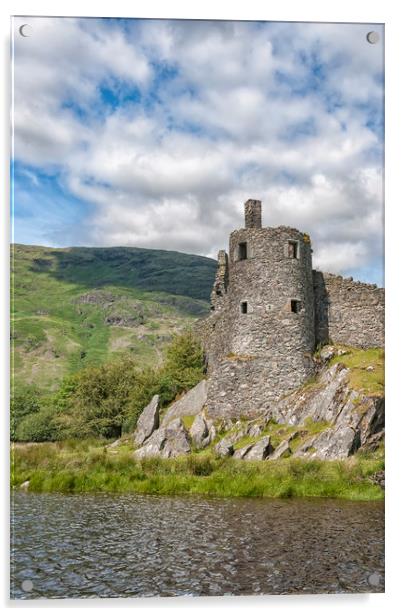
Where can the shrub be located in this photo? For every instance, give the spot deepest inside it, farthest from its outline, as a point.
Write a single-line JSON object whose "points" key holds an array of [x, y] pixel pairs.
{"points": [[38, 427], [24, 402]]}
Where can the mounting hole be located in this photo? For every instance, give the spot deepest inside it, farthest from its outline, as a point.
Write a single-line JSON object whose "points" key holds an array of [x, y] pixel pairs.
{"points": [[25, 30], [372, 37], [27, 585]]}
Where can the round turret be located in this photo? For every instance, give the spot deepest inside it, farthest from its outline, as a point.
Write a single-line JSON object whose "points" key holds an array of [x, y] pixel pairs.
{"points": [[266, 318]]}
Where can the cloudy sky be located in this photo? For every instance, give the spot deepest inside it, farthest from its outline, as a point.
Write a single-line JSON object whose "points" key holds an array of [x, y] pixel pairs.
{"points": [[153, 133]]}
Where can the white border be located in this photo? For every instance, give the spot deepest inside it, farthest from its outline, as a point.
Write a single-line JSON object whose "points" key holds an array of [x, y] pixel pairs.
{"points": [[368, 11]]}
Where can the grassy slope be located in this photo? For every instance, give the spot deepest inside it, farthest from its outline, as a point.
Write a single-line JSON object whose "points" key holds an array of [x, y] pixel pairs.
{"points": [[366, 369], [81, 306]]}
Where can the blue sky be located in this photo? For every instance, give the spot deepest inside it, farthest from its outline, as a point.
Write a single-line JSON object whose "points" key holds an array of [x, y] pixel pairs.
{"points": [[153, 133]]}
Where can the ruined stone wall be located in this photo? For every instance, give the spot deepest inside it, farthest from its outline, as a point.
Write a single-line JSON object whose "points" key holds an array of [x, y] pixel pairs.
{"points": [[347, 311], [256, 356], [221, 281]]}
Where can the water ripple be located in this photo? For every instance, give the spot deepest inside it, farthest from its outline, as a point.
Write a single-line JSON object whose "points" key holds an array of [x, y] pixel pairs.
{"points": [[134, 545]]}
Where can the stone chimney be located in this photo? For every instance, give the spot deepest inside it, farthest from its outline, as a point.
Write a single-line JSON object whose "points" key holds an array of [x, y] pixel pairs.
{"points": [[253, 214]]}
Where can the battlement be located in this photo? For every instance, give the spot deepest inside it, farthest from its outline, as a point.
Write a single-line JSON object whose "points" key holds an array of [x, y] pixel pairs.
{"points": [[253, 214]]}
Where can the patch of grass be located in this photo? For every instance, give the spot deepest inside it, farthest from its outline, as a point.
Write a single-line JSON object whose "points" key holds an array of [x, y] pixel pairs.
{"points": [[90, 467], [279, 432], [188, 420], [370, 381], [315, 427]]}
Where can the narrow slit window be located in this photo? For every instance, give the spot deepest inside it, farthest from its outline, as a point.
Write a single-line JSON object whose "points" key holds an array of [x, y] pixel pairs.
{"points": [[244, 307], [242, 251], [295, 306], [293, 250]]}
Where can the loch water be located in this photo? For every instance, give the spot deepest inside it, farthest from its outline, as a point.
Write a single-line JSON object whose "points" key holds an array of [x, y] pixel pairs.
{"points": [[78, 546]]}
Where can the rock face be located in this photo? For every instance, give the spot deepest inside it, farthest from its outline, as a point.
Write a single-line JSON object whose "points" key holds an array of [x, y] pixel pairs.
{"points": [[224, 448], [191, 403], [260, 450], [177, 440], [282, 451], [167, 442], [202, 432], [148, 421], [332, 444], [352, 419]]}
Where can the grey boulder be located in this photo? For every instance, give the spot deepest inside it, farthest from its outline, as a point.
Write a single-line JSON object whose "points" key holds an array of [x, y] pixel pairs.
{"points": [[191, 403], [148, 422], [177, 440], [282, 451], [202, 432], [224, 448], [242, 453], [199, 431], [259, 450]]}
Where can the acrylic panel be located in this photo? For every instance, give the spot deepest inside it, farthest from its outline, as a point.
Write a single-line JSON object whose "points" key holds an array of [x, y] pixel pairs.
{"points": [[197, 399]]}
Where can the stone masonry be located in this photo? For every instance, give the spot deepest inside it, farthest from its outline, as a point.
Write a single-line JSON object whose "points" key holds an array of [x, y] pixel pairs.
{"points": [[269, 310]]}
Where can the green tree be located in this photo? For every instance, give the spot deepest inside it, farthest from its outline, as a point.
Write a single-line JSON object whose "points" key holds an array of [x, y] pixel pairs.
{"points": [[97, 401], [183, 368]]}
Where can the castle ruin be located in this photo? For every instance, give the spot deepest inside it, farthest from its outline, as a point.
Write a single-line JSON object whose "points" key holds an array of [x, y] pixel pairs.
{"points": [[270, 310]]}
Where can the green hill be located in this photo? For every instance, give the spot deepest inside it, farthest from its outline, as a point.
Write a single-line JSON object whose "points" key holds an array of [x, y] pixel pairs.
{"points": [[76, 307]]}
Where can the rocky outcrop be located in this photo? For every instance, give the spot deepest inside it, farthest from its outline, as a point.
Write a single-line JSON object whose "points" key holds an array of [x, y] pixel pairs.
{"points": [[148, 421], [177, 440], [351, 417], [242, 452], [199, 431], [191, 403], [282, 451], [167, 442], [259, 450], [332, 444], [374, 441], [202, 432], [335, 420], [224, 448]]}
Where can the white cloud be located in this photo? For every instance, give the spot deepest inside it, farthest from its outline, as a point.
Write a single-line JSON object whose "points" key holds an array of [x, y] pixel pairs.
{"points": [[173, 171]]}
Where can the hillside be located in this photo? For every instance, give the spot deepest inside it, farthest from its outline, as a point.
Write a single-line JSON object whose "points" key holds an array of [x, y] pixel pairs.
{"points": [[76, 307]]}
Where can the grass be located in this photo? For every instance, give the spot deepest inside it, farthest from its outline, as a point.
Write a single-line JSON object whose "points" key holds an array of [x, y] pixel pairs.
{"points": [[88, 466], [367, 382], [188, 420]]}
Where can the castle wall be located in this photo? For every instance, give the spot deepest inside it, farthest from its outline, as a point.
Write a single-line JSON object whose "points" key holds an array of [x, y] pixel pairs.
{"points": [[348, 312], [269, 310]]}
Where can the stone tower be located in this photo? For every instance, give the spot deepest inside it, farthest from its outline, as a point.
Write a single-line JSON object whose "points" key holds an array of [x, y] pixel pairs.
{"points": [[261, 331]]}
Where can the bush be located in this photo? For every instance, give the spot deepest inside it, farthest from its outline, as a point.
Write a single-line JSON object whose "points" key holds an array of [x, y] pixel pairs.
{"points": [[24, 402], [38, 427]]}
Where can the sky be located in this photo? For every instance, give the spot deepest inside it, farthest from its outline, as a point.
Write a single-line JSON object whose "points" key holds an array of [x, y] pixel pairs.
{"points": [[153, 133]]}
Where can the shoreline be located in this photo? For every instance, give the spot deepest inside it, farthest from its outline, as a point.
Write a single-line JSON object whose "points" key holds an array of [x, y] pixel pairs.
{"points": [[79, 467]]}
